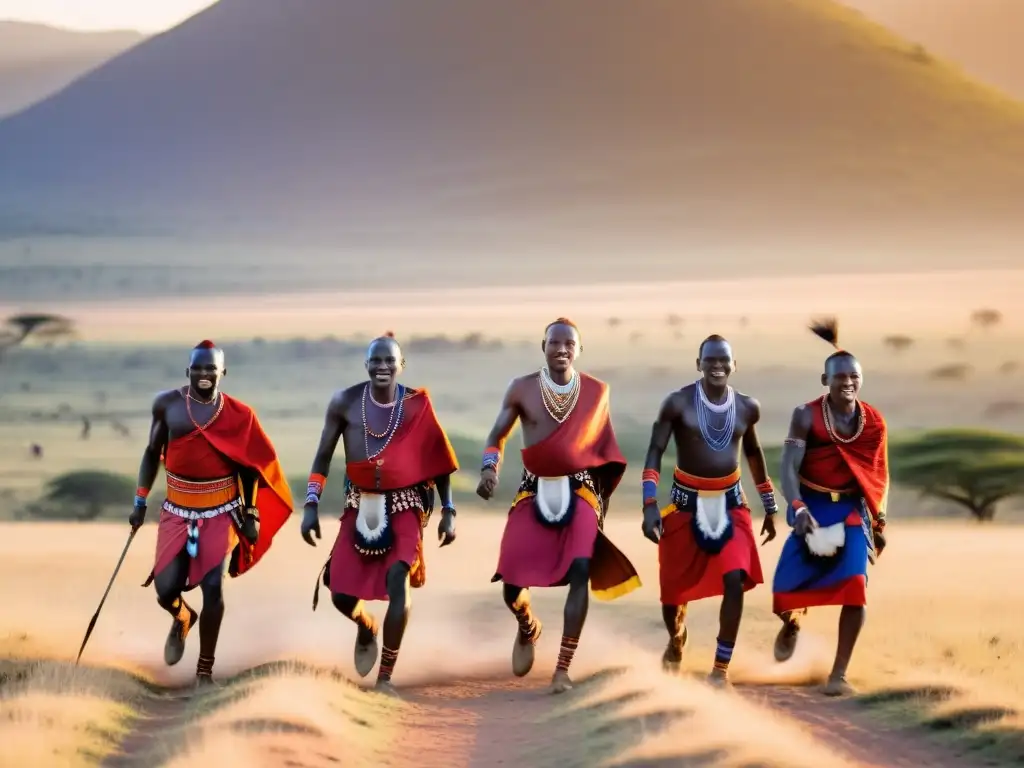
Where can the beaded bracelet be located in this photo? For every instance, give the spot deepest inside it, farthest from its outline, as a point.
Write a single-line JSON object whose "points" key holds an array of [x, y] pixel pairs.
{"points": [[650, 478], [767, 491], [315, 488], [491, 459], [140, 496]]}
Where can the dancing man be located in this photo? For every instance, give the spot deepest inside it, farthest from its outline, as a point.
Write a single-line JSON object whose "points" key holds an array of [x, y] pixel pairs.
{"points": [[706, 543], [226, 499], [397, 456], [835, 476], [572, 464]]}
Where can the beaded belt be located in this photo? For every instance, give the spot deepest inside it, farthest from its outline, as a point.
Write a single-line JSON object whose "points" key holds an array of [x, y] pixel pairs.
{"points": [[201, 514], [201, 494], [581, 483], [414, 497]]}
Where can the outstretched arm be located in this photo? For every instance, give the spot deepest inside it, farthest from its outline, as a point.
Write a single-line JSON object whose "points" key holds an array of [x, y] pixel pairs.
{"points": [[793, 456], [755, 460], [661, 433], [155, 446], [506, 421], [503, 426], [150, 464], [334, 425]]}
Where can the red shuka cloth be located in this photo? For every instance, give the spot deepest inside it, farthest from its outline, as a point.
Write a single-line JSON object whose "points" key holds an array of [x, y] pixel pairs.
{"points": [[533, 552], [192, 457], [233, 439], [418, 453], [837, 466]]}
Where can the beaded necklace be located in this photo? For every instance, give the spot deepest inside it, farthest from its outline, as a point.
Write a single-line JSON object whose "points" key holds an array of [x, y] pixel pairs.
{"points": [[393, 425], [559, 399], [186, 393], [826, 412], [716, 437]]}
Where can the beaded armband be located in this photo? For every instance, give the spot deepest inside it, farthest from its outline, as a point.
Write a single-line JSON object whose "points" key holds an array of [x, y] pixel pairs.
{"points": [[491, 459], [797, 505], [315, 488], [767, 491], [650, 486], [140, 496]]}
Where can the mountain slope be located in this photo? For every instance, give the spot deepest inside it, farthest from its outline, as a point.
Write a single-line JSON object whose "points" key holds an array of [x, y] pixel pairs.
{"points": [[479, 126], [37, 60], [982, 36]]}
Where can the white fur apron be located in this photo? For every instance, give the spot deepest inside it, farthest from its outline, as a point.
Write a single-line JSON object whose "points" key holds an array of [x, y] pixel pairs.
{"points": [[825, 541], [712, 515], [372, 518], [554, 496]]}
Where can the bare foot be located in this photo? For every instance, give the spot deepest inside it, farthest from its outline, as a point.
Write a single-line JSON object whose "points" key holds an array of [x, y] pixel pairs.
{"points": [[785, 641], [672, 658], [366, 651], [719, 678], [561, 683], [524, 651], [174, 648], [387, 688], [837, 686]]}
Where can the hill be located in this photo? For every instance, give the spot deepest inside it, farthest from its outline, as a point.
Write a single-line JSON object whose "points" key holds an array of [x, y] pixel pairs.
{"points": [[763, 133], [980, 36], [37, 60]]}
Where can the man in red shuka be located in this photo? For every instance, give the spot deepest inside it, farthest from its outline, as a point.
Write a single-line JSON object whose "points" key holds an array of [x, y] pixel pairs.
{"points": [[571, 466], [835, 476], [226, 499], [397, 456]]}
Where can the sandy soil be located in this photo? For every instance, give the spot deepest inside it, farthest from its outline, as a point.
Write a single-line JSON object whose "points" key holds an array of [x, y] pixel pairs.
{"points": [[459, 704]]}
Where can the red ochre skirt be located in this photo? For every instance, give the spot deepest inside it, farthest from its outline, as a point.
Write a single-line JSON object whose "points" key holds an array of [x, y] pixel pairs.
{"points": [[365, 577]]}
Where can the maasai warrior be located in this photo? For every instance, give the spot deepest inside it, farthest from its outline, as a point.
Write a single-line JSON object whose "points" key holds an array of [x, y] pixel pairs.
{"points": [[226, 499], [835, 476], [705, 538], [397, 456], [572, 465]]}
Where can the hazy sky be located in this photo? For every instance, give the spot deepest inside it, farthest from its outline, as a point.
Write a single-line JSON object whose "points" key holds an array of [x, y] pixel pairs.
{"points": [[144, 15]]}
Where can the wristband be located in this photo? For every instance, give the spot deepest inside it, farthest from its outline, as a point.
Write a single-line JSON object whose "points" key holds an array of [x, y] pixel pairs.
{"points": [[315, 488], [491, 459], [140, 501], [141, 492], [767, 492], [449, 508], [650, 486], [797, 505], [879, 524]]}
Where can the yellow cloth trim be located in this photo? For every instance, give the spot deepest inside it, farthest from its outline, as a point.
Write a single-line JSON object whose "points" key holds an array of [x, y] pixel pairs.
{"points": [[583, 493], [668, 509], [613, 593]]}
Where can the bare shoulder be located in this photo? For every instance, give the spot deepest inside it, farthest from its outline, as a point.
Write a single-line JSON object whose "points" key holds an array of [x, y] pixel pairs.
{"points": [[519, 383], [343, 398], [802, 416], [165, 399], [750, 405]]}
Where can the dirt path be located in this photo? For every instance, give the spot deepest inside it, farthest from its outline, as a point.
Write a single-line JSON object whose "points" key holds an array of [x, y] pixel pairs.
{"points": [[844, 724], [514, 722]]}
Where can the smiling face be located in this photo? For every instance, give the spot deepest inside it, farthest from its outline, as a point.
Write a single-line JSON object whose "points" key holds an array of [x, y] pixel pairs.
{"points": [[843, 376], [715, 362], [205, 370], [384, 362], [561, 346]]}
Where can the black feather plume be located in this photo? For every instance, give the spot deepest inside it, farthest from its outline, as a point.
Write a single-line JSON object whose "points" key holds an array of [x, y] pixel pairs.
{"points": [[827, 329]]}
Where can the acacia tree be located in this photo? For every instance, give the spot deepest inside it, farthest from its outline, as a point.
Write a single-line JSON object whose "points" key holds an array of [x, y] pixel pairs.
{"points": [[973, 468], [19, 328]]}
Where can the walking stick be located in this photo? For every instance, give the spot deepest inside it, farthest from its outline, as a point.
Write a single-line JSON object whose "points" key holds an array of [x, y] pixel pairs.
{"points": [[95, 616]]}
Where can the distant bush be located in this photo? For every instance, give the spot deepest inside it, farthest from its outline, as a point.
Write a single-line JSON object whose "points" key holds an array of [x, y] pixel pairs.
{"points": [[84, 495]]}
